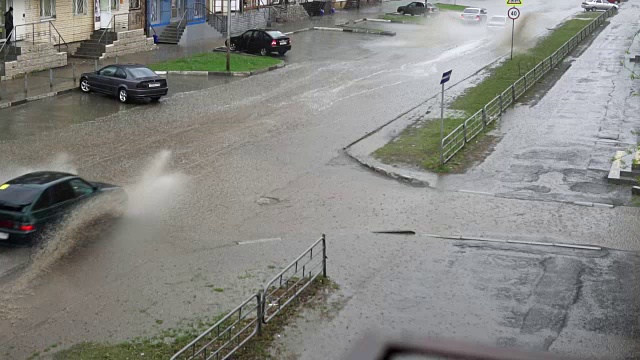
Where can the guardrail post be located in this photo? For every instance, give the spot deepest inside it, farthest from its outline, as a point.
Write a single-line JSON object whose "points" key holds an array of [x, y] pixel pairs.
{"points": [[484, 117], [464, 131], [525, 82], [324, 255], [500, 99], [260, 313], [513, 93]]}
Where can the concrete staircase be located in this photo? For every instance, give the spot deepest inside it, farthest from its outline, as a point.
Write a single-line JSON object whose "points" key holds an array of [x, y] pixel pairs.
{"points": [[313, 7], [172, 33], [352, 4], [94, 47]]}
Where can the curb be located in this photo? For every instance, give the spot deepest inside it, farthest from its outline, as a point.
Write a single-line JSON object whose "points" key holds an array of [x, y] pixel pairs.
{"points": [[339, 28], [356, 30], [36, 97], [391, 174], [223, 73]]}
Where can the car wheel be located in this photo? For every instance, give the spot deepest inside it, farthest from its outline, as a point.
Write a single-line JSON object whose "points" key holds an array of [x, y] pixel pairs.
{"points": [[401, 12], [232, 47], [122, 95], [155, 99], [263, 51], [84, 85], [282, 52]]}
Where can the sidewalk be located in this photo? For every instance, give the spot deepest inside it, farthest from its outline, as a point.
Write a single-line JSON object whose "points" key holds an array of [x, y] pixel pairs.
{"points": [[38, 83]]}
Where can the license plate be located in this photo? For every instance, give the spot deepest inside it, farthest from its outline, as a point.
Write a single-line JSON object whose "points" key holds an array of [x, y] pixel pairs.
{"points": [[283, 42], [4, 236], [154, 85]]}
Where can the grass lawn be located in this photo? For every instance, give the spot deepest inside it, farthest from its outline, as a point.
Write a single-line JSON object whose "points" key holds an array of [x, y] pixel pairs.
{"points": [[414, 19], [419, 144], [216, 61], [450, 7]]}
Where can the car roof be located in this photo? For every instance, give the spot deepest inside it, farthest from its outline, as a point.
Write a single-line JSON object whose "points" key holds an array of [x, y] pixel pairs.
{"points": [[40, 178], [474, 8], [130, 65]]}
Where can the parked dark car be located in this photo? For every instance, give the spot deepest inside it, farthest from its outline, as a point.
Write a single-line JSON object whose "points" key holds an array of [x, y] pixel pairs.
{"points": [[474, 15], [261, 41], [414, 8], [31, 204], [126, 82]]}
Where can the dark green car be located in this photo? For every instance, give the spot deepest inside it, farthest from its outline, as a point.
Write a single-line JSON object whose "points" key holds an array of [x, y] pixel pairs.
{"points": [[31, 204]]}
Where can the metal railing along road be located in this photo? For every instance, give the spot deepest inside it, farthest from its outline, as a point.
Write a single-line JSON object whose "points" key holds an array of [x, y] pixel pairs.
{"points": [[460, 136], [41, 31], [229, 334]]}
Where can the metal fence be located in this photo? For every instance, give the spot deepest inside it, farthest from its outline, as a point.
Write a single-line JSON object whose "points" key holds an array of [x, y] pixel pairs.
{"points": [[460, 136], [229, 334]]}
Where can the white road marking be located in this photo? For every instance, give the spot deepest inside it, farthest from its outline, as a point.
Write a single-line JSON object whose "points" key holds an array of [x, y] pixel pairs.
{"points": [[257, 241]]}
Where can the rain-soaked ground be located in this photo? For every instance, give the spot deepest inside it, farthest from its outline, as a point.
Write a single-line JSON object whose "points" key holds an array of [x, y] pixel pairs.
{"points": [[199, 165]]}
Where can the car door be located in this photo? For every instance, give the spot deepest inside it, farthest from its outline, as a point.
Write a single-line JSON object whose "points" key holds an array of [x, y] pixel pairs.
{"points": [[118, 79], [256, 41], [419, 8], [54, 203], [246, 40], [101, 82]]}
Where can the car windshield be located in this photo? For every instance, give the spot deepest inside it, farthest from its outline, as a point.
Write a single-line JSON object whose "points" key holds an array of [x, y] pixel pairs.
{"points": [[17, 195], [471, 11], [141, 72], [275, 34]]}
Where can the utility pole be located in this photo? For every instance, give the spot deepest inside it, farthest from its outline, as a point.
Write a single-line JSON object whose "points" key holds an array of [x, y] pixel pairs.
{"points": [[229, 36]]}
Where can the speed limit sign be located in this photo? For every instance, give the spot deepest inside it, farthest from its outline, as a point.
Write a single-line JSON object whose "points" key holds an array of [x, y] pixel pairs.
{"points": [[513, 13]]}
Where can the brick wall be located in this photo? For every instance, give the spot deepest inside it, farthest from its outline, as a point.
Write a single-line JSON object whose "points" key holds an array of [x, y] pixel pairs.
{"points": [[248, 20], [293, 12], [71, 27], [35, 58]]}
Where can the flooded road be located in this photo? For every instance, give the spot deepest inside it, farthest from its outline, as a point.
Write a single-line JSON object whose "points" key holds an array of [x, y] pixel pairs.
{"points": [[197, 165]]}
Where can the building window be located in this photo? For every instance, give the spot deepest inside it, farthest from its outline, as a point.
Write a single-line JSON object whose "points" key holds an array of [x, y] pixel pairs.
{"points": [[80, 7], [134, 4], [115, 4], [47, 8]]}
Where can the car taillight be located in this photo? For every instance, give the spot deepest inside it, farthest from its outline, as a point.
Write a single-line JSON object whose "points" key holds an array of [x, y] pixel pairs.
{"points": [[273, 43], [27, 227], [6, 224], [461, 16], [142, 85], [477, 17]]}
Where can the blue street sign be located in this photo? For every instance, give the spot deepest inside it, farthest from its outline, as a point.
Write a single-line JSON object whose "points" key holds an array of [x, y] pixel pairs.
{"points": [[445, 77]]}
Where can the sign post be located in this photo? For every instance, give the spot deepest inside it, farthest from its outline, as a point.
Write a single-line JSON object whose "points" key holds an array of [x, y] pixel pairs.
{"points": [[229, 36], [445, 78], [513, 14]]}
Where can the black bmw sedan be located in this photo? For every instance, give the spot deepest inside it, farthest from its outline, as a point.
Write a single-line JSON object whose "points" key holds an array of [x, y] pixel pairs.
{"points": [[261, 41], [126, 82]]}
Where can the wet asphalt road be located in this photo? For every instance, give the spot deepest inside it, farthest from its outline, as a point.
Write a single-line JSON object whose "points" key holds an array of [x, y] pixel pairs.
{"points": [[279, 135]]}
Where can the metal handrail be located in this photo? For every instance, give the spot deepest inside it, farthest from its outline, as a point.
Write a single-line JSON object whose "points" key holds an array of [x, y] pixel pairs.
{"points": [[59, 36], [186, 18], [113, 21]]}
